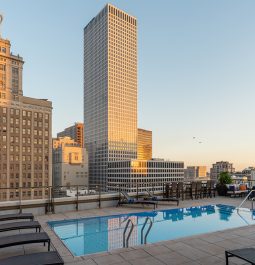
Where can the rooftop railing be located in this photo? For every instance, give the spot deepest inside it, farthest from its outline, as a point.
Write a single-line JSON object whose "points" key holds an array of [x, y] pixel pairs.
{"points": [[49, 196]]}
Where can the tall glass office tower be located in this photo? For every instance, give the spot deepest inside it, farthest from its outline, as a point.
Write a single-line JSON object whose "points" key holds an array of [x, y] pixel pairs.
{"points": [[110, 90]]}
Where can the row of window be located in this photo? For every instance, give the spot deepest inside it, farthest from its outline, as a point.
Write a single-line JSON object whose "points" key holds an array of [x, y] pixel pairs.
{"points": [[25, 113], [122, 15], [24, 122], [16, 140]]}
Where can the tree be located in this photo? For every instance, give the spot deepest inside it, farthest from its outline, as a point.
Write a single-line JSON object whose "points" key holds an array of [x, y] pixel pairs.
{"points": [[224, 178]]}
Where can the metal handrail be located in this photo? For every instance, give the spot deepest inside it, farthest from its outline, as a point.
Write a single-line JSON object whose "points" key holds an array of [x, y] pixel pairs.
{"points": [[125, 241], [252, 204], [245, 199], [144, 239]]}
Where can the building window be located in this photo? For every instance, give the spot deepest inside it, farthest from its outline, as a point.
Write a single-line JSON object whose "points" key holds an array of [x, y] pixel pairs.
{"points": [[3, 95], [2, 67]]}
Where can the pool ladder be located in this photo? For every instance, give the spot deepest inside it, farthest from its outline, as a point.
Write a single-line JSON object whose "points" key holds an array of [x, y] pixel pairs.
{"points": [[125, 240], [245, 199], [143, 237]]}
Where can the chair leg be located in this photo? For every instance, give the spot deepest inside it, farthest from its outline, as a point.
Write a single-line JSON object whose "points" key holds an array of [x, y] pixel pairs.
{"points": [[226, 255]]}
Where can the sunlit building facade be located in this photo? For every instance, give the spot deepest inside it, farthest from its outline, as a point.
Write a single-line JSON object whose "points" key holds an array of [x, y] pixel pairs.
{"points": [[110, 90], [143, 174], [76, 132], [25, 134], [144, 144], [195, 173]]}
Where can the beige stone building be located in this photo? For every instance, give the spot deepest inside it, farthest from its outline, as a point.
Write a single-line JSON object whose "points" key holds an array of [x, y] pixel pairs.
{"points": [[25, 134], [76, 132], [144, 144], [70, 163], [195, 173]]}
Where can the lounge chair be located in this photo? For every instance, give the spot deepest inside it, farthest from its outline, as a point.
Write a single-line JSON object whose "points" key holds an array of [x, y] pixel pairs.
{"points": [[247, 254], [193, 188], [21, 239], [233, 191], [156, 198], [198, 190], [41, 258], [20, 225], [180, 190], [130, 200], [7, 217]]}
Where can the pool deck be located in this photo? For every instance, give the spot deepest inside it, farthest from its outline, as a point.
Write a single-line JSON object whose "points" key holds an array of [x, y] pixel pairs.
{"points": [[201, 249]]}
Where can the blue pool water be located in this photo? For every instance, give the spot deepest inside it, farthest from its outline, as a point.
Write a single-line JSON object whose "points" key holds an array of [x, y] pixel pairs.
{"points": [[97, 234]]}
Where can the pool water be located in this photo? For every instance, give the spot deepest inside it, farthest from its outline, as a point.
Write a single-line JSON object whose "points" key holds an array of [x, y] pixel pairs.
{"points": [[97, 234]]}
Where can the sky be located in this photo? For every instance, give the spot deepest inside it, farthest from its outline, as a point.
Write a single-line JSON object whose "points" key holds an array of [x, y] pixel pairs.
{"points": [[196, 63]]}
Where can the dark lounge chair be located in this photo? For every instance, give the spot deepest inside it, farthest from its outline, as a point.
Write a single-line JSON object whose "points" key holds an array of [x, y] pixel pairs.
{"points": [[7, 217], [156, 198], [198, 190], [41, 258], [193, 188], [247, 254], [21, 239], [130, 200], [20, 225], [180, 190]]}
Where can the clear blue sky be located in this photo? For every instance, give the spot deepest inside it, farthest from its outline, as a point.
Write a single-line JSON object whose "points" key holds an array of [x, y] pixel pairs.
{"points": [[196, 70]]}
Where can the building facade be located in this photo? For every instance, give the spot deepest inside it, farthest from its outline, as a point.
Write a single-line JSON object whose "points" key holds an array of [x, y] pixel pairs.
{"points": [[110, 90], [144, 144], [75, 132], [222, 166], [143, 174], [70, 163], [25, 134], [195, 173]]}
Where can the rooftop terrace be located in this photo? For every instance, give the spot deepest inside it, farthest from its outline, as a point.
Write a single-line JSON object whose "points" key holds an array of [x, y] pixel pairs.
{"points": [[200, 249]]}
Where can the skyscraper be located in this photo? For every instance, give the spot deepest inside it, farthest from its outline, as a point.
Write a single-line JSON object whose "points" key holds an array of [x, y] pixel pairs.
{"points": [[110, 90]]}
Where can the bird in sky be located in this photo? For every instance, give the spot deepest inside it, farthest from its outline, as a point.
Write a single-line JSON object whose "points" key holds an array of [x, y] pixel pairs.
{"points": [[198, 141]]}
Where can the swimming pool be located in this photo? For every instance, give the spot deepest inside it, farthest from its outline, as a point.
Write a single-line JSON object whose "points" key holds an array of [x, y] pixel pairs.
{"points": [[97, 234]]}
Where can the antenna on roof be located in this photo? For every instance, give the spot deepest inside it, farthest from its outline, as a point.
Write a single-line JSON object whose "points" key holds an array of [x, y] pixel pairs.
{"points": [[1, 20]]}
